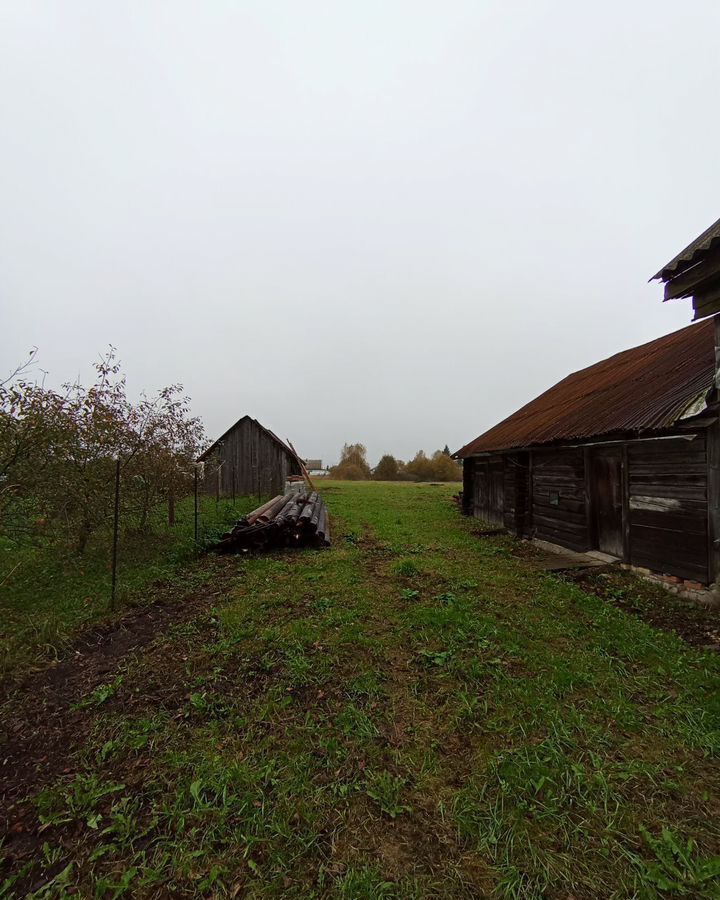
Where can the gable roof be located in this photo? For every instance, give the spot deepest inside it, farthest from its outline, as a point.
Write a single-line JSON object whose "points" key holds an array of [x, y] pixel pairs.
{"points": [[283, 446], [647, 388], [691, 254]]}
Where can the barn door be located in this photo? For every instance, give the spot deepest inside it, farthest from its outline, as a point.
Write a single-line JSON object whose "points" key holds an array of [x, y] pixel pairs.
{"points": [[481, 489], [496, 493], [607, 500]]}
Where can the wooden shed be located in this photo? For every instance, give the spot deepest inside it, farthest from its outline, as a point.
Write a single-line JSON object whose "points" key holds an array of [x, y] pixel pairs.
{"points": [[622, 457], [248, 459], [695, 273]]}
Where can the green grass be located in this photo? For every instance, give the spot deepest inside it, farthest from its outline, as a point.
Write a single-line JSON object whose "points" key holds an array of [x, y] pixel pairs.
{"points": [[47, 593], [344, 724]]}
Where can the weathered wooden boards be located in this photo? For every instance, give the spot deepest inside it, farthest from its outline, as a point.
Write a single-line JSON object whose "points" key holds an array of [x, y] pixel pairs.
{"points": [[645, 501], [293, 520]]}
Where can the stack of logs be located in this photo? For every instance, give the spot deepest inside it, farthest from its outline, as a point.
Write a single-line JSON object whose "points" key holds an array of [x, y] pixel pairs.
{"points": [[292, 520]]}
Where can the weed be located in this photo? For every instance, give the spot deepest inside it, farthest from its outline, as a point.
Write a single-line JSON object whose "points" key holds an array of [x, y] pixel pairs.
{"points": [[353, 721], [365, 884], [386, 790], [100, 695], [77, 801], [435, 657], [677, 867], [323, 604], [406, 568], [365, 686]]}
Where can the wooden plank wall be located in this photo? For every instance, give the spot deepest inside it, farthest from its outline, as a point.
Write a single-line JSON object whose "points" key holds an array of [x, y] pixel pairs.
{"points": [[249, 463], [666, 512], [510, 497], [668, 506], [559, 512], [468, 497]]}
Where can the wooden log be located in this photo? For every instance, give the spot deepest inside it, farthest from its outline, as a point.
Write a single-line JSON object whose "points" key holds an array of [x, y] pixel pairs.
{"points": [[274, 509], [310, 515], [298, 520], [319, 506], [292, 511], [309, 506], [256, 513], [322, 523]]}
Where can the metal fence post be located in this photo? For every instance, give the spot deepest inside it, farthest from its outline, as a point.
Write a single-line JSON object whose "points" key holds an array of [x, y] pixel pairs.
{"points": [[116, 526], [196, 504]]}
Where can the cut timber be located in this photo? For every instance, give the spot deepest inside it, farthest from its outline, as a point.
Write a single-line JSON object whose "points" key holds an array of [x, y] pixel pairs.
{"points": [[296, 520], [256, 513]]}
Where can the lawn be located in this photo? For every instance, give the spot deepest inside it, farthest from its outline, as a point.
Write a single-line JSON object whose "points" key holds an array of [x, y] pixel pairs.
{"points": [[47, 594], [415, 712]]}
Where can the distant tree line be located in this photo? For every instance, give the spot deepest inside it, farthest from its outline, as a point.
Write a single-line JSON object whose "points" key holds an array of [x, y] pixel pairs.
{"points": [[58, 452], [353, 466]]}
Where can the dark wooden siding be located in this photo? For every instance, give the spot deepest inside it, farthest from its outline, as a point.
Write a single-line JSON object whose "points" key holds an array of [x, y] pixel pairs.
{"points": [[550, 494], [668, 506], [516, 511], [468, 498], [559, 512], [248, 462], [509, 493]]}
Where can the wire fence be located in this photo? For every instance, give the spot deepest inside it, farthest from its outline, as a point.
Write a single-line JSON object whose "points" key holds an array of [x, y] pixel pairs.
{"points": [[192, 522]]}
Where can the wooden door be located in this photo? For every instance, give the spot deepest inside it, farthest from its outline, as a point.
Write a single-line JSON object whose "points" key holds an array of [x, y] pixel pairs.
{"points": [[481, 489], [496, 493], [607, 500]]}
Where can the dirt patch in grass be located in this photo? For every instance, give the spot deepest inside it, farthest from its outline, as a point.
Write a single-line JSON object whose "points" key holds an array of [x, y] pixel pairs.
{"points": [[40, 721], [698, 626]]}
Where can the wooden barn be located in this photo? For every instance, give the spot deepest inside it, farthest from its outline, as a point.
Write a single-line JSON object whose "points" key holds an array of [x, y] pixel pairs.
{"points": [[695, 273], [248, 459], [622, 457]]}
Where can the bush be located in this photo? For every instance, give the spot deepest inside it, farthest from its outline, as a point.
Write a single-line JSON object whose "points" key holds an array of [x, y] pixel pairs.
{"points": [[58, 452]]}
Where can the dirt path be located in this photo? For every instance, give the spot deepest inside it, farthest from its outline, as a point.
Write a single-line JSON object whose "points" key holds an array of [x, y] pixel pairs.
{"points": [[40, 723]]}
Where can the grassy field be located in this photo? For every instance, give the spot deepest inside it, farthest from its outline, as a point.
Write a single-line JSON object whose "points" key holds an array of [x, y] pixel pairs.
{"points": [[46, 595], [413, 713]]}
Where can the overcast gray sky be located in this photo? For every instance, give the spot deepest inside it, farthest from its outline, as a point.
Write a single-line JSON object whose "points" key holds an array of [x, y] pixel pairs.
{"points": [[391, 222]]}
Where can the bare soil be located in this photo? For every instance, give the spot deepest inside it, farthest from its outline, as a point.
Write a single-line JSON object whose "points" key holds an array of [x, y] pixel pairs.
{"points": [[698, 626], [40, 725]]}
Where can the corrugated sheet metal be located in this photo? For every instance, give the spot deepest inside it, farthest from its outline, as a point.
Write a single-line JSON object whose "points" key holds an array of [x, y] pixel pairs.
{"points": [[647, 388], [691, 253]]}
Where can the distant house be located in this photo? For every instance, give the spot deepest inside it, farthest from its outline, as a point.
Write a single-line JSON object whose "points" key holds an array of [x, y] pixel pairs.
{"points": [[248, 459], [622, 457]]}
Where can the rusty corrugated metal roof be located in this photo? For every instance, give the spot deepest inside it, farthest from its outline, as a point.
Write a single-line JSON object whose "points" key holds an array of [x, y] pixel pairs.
{"points": [[691, 254], [644, 389]]}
